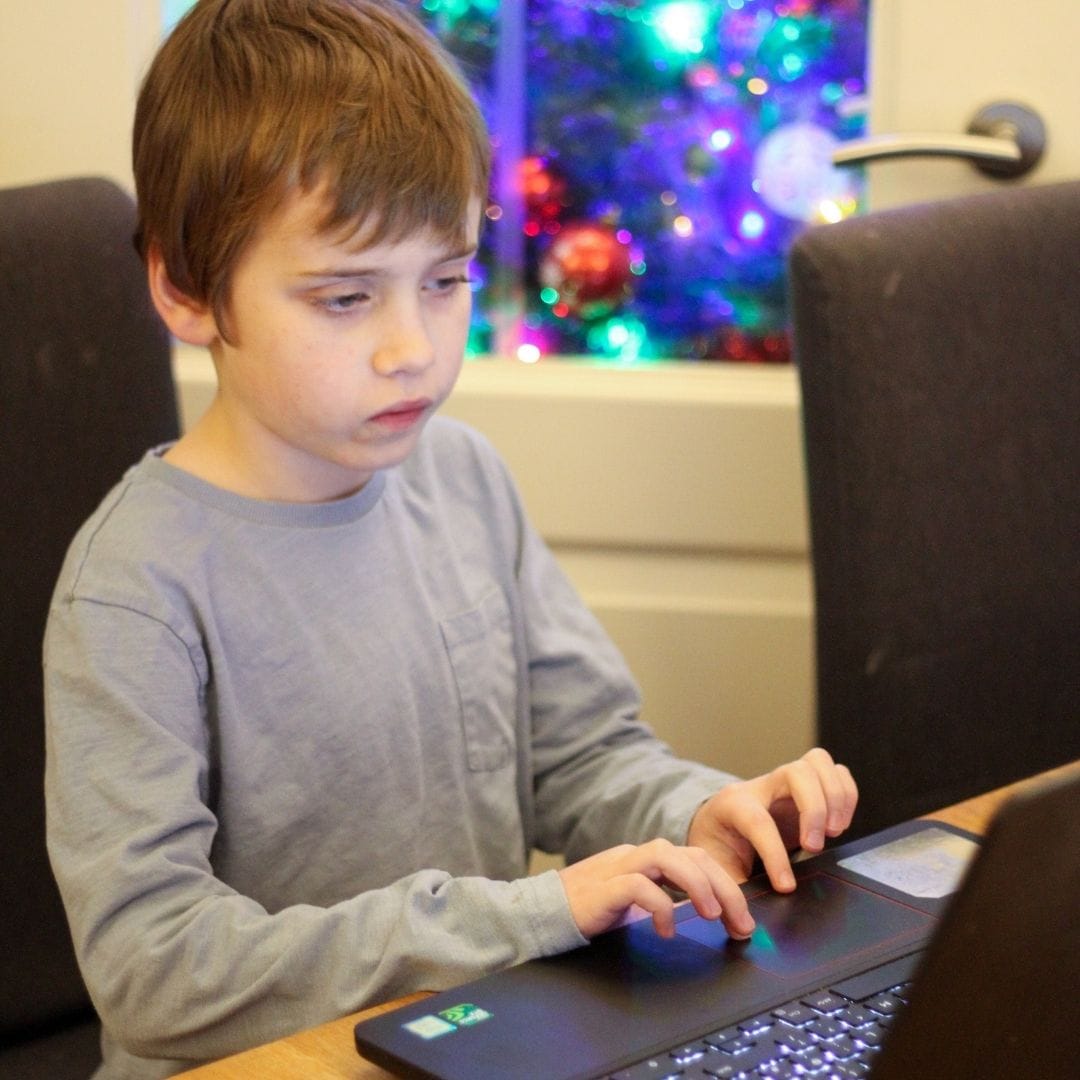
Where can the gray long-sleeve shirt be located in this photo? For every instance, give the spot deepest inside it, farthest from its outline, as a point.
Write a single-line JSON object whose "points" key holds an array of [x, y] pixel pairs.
{"points": [[298, 754]]}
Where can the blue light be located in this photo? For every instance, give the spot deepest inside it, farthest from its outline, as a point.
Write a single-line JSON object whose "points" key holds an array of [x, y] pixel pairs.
{"points": [[752, 225]]}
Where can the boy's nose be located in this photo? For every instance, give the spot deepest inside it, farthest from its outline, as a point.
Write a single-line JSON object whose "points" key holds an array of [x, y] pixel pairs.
{"points": [[405, 346]]}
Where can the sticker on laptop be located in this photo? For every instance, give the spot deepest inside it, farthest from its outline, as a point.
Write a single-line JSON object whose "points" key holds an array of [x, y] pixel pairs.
{"points": [[929, 863], [433, 1025]]}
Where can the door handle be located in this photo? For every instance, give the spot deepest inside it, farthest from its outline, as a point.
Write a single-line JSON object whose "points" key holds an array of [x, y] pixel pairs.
{"points": [[1004, 140]]}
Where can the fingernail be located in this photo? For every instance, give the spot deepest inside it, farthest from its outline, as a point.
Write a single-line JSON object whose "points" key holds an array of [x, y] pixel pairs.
{"points": [[787, 881], [815, 839]]}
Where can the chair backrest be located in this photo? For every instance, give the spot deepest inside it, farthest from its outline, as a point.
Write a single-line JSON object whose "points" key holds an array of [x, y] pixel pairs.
{"points": [[938, 349], [85, 388]]}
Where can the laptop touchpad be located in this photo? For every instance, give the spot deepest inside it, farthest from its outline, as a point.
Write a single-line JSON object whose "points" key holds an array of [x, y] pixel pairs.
{"points": [[823, 921]]}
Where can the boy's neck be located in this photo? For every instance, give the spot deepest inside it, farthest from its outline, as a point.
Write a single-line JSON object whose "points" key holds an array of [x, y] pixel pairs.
{"points": [[213, 451]]}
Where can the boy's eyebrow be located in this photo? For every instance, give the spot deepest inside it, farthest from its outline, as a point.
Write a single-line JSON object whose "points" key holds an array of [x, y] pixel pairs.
{"points": [[378, 271]]}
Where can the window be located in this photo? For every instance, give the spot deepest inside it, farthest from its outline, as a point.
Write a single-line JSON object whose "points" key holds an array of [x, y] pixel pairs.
{"points": [[654, 161]]}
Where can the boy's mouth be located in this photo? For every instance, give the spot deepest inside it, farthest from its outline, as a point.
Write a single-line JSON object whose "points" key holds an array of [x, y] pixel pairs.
{"points": [[403, 415]]}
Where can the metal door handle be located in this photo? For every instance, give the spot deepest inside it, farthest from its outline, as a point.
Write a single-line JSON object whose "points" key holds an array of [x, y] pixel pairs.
{"points": [[1004, 139]]}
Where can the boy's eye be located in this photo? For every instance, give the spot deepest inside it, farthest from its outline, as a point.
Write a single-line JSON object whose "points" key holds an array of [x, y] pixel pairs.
{"points": [[449, 283], [342, 303]]}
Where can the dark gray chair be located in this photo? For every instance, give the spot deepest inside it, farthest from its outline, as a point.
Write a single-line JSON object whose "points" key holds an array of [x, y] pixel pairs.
{"points": [[938, 350], [85, 388]]}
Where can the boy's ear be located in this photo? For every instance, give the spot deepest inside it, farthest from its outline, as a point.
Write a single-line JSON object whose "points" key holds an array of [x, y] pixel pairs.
{"points": [[192, 321]]}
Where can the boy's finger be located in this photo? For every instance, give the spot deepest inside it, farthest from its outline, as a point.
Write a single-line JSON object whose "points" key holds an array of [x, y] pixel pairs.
{"points": [[683, 869], [638, 889], [693, 871], [734, 910], [805, 789], [753, 821], [851, 797], [838, 787]]}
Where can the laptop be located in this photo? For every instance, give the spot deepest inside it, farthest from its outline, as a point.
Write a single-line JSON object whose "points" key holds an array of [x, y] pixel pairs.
{"points": [[900, 954]]}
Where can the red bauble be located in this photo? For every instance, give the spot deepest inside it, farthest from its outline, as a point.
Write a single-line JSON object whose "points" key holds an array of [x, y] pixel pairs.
{"points": [[738, 346], [588, 267], [543, 188]]}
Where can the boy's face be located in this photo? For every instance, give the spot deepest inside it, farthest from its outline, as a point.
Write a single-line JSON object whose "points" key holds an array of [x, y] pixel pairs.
{"points": [[339, 355]]}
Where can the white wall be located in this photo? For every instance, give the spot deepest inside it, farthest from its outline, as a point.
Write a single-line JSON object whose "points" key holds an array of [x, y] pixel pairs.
{"points": [[69, 71]]}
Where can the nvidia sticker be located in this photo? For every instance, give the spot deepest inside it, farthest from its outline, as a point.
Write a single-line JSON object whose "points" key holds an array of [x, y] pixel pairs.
{"points": [[432, 1026]]}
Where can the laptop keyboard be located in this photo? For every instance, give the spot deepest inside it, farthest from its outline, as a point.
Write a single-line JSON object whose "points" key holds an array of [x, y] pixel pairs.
{"points": [[833, 1033]]}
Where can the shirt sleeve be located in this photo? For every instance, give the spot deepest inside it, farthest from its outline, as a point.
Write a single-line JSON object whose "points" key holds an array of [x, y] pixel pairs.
{"points": [[179, 965]]}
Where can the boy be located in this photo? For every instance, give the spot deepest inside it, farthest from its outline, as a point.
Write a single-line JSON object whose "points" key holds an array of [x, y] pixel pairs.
{"points": [[314, 686]]}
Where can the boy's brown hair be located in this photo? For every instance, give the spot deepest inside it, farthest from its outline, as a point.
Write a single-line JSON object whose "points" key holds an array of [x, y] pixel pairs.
{"points": [[250, 100]]}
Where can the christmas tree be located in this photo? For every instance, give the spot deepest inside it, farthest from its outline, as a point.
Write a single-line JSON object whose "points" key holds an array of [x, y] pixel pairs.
{"points": [[654, 161]]}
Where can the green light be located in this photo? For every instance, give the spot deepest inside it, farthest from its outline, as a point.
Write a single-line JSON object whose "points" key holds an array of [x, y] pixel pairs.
{"points": [[681, 26], [451, 11], [762, 939], [623, 338], [748, 313], [549, 295], [831, 93], [477, 344], [792, 66]]}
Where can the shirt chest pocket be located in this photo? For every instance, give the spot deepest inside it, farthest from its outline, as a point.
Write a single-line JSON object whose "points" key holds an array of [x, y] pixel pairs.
{"points": [[480, 646]]}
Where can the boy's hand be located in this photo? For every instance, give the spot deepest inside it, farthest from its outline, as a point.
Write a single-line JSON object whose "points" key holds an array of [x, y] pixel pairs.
{"points": [[604, 888], [795, 805]]}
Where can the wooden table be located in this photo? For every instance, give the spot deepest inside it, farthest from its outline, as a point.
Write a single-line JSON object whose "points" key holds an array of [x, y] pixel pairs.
{"points": [[328, 1053]]}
